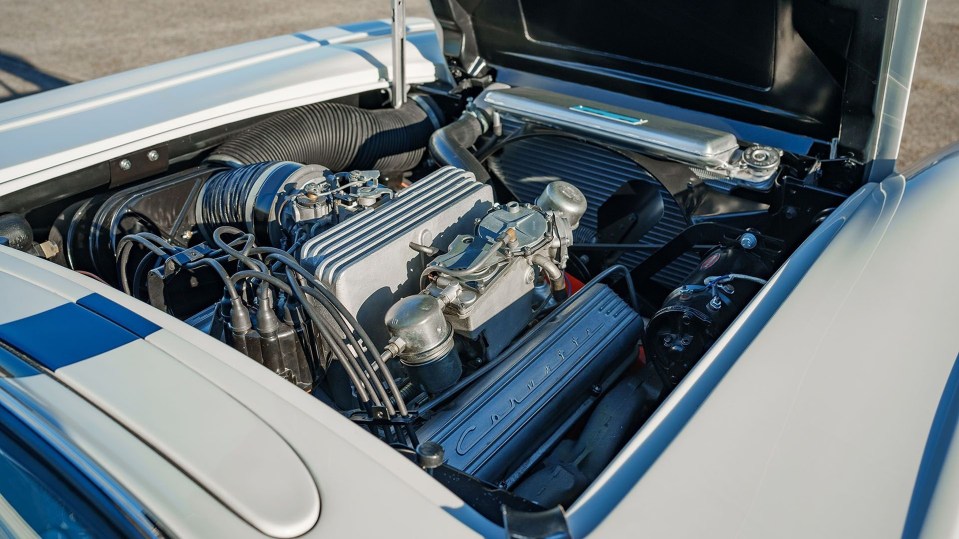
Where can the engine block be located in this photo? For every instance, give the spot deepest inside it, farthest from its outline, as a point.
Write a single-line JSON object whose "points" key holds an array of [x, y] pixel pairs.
{"points": [[367, 261]]}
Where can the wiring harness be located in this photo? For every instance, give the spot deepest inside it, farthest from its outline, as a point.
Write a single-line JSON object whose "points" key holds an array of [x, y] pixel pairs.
{"points": [[266, 289]]}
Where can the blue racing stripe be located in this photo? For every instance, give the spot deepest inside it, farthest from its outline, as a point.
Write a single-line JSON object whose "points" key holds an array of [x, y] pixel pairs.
{"points": [[64, 335], [118, 314], [309, 39]]}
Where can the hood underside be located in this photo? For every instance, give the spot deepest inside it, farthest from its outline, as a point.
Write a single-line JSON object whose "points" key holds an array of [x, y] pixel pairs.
{"points": [[802, 66]]}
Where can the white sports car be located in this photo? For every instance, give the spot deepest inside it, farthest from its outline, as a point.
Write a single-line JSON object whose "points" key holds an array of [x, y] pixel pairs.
{"points": [[530, 269]]}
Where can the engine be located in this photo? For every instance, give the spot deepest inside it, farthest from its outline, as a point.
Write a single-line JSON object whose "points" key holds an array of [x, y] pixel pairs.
{"points": [[368, 262], [503, 285]]}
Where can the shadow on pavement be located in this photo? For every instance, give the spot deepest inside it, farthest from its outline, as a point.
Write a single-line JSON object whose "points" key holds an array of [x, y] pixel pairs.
{"points": [[19, 77]]}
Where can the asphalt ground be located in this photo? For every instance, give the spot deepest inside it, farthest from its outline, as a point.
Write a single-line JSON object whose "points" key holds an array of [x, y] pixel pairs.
{"points": [[48, 44]]}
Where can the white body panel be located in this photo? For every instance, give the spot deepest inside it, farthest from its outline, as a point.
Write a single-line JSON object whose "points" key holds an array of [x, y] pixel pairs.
{"points": [[813, 423], [52, 133]]}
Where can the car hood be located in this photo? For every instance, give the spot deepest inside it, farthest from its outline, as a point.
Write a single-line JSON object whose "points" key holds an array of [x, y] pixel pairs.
{"points": [[816, 68]]}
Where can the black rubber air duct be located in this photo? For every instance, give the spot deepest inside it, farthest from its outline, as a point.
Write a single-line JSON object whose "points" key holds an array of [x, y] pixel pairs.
{"points": [[335, 135], [450, 145], [250, 197]]}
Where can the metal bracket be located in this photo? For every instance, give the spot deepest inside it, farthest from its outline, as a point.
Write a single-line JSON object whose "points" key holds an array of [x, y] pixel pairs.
{"points": [[138, 165]]}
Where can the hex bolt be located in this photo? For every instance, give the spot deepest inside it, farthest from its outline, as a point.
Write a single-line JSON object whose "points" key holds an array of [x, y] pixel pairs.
{"points": [[748, 241], [153, 155], [715, 303], [126, 164]]}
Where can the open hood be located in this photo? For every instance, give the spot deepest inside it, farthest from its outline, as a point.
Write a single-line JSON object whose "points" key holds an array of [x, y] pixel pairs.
{"points": [[814, 68]]}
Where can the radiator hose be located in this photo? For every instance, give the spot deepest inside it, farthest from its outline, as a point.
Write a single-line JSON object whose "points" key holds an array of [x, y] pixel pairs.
{"points": [[450, 145], [335, 135]]}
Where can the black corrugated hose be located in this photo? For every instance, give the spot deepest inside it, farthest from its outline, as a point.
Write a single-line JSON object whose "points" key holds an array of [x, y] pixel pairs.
{"points": [[223, 200], [335, 135]]}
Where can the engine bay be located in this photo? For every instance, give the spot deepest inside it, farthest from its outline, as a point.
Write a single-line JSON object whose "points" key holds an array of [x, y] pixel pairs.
{"points": [[501, 283]]}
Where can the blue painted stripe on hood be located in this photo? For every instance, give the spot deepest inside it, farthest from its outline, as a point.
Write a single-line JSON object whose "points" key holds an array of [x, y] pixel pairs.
{"points": [[118, 314], [64, 335]]}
